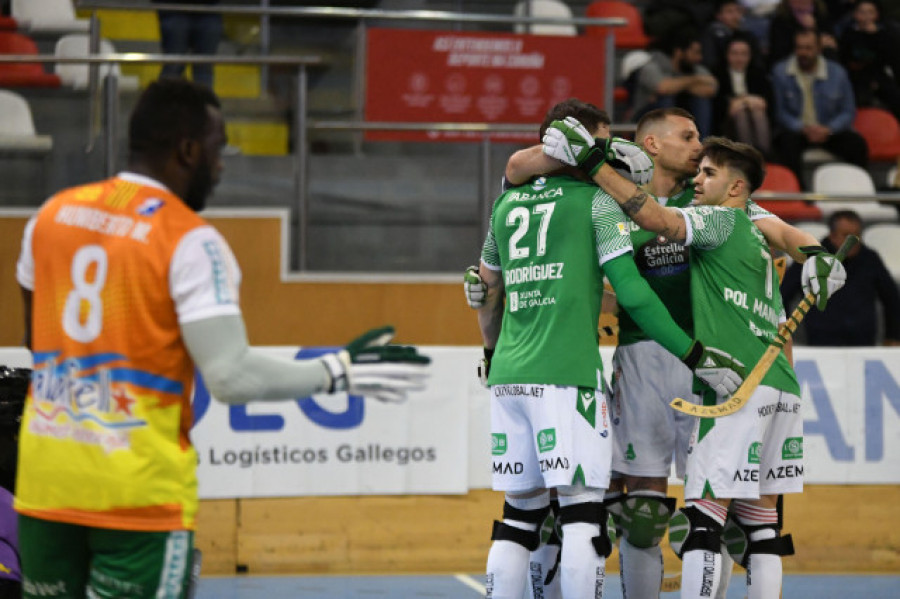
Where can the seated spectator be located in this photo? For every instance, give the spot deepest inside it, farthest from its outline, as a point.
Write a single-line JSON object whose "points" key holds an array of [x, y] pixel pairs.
{"points": [[675, 77], [743, 103], [758, 20], [663, 17], [814, 106], [792, 16], [189, 32], [850, 318], [868, 50], [720, 31]]}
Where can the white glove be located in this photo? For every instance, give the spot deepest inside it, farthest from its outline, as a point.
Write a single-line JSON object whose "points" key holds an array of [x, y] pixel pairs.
{"points": [[369, 366], [719, 370], [630, 161], [822, 275], [474, 288], [568, 141]]}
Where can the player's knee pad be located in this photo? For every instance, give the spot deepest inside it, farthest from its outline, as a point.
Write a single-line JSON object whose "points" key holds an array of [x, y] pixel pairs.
{"points": [[641, 519], [529, 539], [691, 529], [736, 537], [592, 512]]}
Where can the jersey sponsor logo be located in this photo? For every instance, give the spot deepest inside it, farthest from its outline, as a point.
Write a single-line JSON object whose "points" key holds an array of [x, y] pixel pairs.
{"points": [[534, 273], [150, 206], [499, 443], [781, 406], [508, 468], [94, 409], [747, 475], [546, 440], [509, 390], [784, 472], [709, 573], [662, 258], [792, 449], [524, 196], [554, 464], [539, 184], [753, 453], [45, 589]]}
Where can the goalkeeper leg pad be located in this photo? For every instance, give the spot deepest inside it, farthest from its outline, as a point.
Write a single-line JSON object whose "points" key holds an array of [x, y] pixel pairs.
{"points": [[691, 529], [642, 517]]}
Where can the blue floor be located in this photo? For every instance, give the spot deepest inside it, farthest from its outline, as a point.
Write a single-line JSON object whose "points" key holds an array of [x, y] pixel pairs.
{"points": [[807, 586]]}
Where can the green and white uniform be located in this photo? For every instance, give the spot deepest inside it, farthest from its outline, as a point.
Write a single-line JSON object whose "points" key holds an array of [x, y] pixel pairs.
{"points": [[737, 308], [549, 422], [646, 377]]}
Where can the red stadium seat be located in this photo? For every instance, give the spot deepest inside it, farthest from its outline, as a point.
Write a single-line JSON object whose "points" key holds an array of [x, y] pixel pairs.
{"points": [[881, 131], [23, 74], [780, 178], [631, 36], [8, 24]]}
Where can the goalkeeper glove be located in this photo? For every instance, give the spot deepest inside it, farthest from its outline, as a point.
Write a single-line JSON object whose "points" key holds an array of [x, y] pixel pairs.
{"points": [[822, 274], [474, 287], [716, 368], [569, 142], [372, 367], [484, 366]]}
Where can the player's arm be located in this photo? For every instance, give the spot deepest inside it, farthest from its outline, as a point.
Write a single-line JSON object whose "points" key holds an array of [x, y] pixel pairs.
{"points": [[490, 315], [570, 143], [528, 163], [634, 294], [785, 237]]}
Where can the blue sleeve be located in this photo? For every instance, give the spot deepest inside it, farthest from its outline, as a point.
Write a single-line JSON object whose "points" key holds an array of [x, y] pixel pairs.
{"points": [[781, 83], [843, 119]]}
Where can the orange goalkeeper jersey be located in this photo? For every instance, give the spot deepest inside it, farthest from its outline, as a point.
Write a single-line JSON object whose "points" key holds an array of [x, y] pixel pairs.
{"points": [[115, 267]]}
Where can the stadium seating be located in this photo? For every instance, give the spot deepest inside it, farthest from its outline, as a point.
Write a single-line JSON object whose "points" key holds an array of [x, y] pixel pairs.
{"points": [[884, 238], [881, 131], [544, 8], [22, 74], [782, 179], [48, 16], [838, 178], [631, 36], [8, 23], [76, 75], [17, 133]]}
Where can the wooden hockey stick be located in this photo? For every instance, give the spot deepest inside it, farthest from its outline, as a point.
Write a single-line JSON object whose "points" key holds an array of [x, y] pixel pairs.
{"points": [[749, 385]]}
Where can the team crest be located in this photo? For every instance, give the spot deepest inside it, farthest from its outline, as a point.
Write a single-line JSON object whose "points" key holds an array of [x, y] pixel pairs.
{"points": [[150, 206]]}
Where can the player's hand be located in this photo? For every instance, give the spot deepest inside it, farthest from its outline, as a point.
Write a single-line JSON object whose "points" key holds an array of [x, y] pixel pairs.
{"points": [[474, 288], [569, 142], [371, 366], [483, 368], [716, 368], [630, 161], [822, 275]]}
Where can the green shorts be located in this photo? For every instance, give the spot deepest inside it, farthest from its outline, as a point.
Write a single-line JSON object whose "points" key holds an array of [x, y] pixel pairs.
{"points": [[69, 561]]}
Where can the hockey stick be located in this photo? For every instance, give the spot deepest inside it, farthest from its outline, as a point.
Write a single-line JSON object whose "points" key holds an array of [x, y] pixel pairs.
{"points": [[743, 393]]}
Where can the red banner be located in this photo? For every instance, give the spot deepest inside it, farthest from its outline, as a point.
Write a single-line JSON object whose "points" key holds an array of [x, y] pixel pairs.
{"points": [[415, 76]]}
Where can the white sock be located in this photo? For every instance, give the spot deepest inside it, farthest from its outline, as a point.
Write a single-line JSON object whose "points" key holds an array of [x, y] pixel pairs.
{"points": [[507, 570], [725, 577], [764, 570], [542, 561], [700, 572], [642, 570], [582, 571]]}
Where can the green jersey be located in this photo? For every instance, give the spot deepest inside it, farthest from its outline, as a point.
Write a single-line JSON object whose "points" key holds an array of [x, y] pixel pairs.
{"points": [[734, 289], [664, 264], [549, 238]]}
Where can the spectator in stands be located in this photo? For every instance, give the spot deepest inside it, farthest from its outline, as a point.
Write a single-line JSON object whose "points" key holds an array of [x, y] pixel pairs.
{"points": [[814, 106], [674, 77], [850, 318], [758, 20], [743, 104], [868, 50], [792, 16], [189, 32], [720, 31], [663, 17]]}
